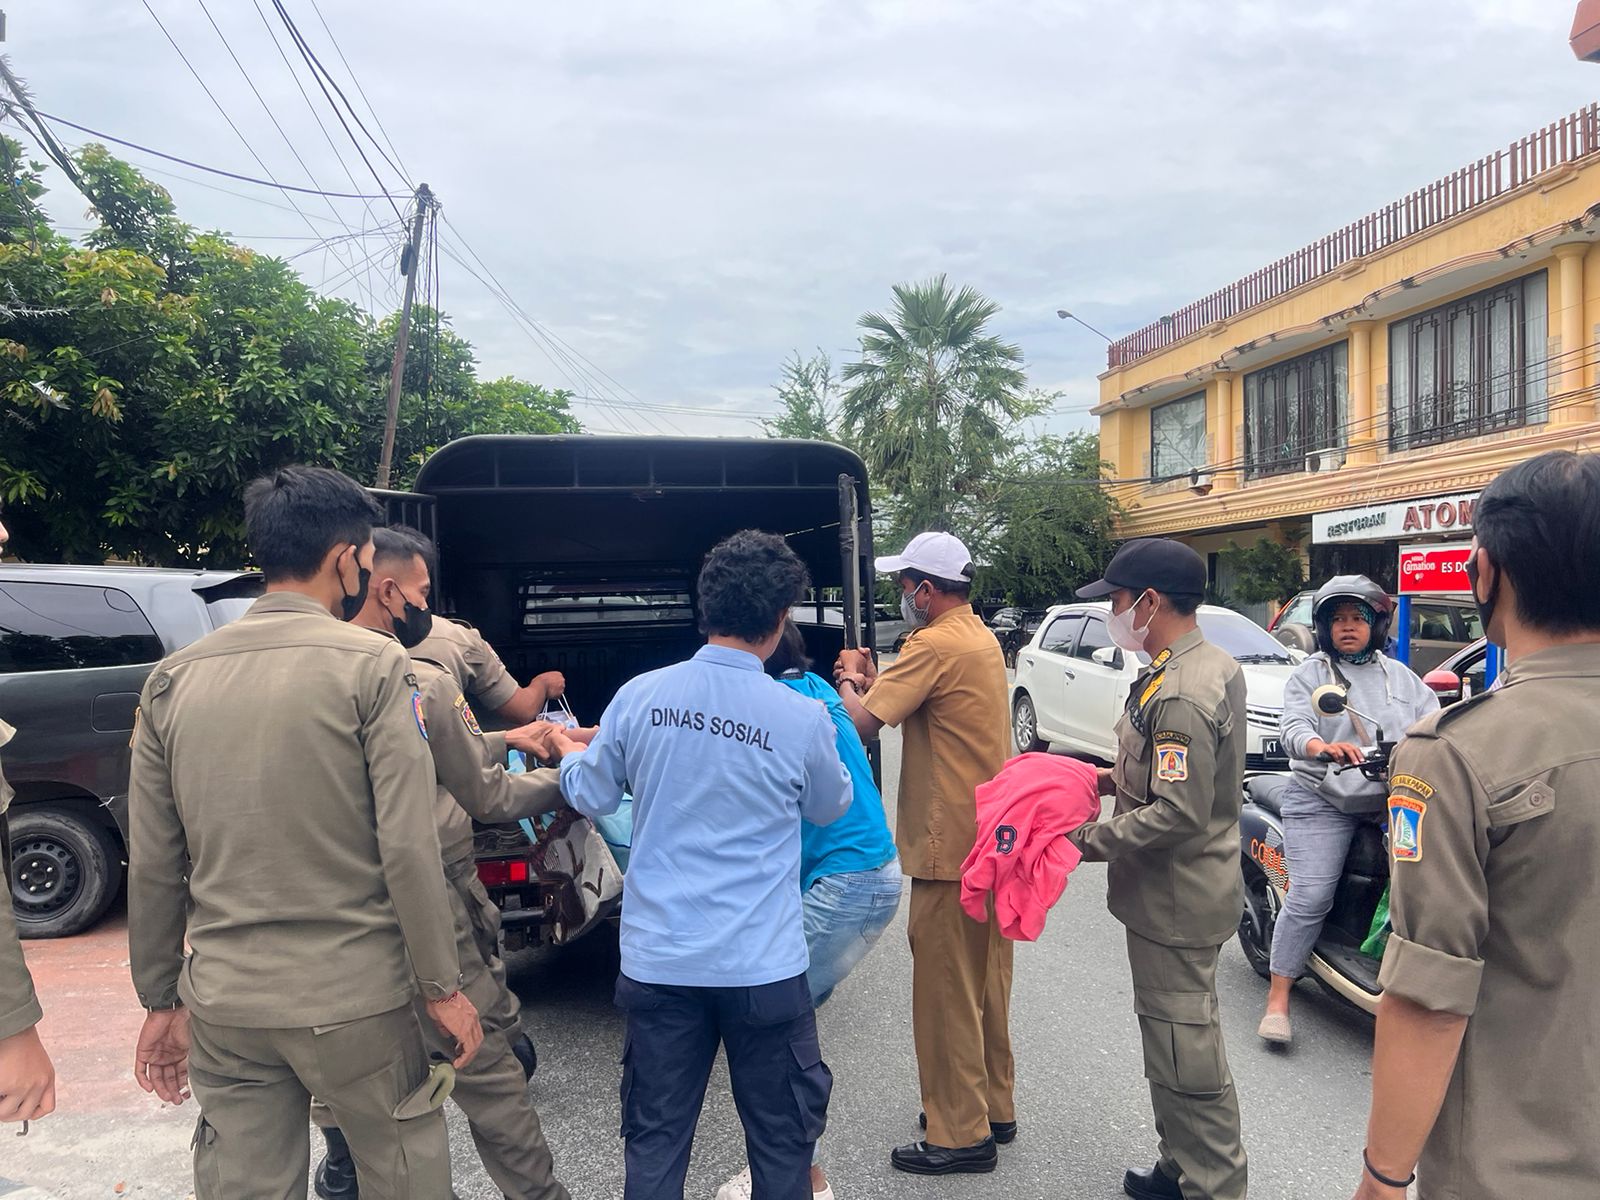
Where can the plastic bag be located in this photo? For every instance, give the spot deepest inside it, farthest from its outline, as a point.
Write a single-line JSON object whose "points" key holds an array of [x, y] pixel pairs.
{"points": [[1378, 938], [559, 712]]}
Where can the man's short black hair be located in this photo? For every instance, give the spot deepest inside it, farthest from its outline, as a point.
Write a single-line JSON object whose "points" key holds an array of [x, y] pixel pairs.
{"points": [[401, 543], [1182, 604], [949, 587], [295, 515], [748, 583], [790, 656], [1540, 523]]}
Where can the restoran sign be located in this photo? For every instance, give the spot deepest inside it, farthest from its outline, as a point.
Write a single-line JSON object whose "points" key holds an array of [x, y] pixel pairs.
{"points": [[1407, 519]]}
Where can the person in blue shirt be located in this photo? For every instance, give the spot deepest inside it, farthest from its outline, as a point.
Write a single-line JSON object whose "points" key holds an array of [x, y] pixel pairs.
{"points": [[722, 766], [849, 870]]}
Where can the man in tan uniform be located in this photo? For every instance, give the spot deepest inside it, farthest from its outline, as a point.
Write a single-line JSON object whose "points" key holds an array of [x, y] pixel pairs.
{"points": [[948, 691], [27, 1077], [281, 813], [1173, 846], [472, 783], [1484, 1065]]}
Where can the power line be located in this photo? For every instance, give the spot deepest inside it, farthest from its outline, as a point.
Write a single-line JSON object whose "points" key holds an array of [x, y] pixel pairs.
{"points": [[355, 79], [271, 183]]}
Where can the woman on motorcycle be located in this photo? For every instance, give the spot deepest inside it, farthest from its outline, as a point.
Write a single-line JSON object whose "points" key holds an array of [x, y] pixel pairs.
{"points": [[1321, 808]]}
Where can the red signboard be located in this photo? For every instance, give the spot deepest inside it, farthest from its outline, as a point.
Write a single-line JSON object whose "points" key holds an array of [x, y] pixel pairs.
{"points": [[1435, 568]]}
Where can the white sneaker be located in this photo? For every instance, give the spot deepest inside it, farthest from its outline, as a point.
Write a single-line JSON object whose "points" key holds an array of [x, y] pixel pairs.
{"points": [[825, 1194], [737, 1188]]}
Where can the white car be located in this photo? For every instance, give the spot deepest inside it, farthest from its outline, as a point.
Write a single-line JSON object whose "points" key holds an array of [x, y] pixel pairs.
{"points": [[1072, 683]]}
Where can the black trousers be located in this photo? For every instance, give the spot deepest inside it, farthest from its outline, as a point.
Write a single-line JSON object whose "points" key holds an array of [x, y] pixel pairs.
{"points": [[780, 1083]]}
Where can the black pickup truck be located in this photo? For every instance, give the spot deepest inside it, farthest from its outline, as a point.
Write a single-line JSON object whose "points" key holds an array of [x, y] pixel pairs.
{"points": [[579, 554]]}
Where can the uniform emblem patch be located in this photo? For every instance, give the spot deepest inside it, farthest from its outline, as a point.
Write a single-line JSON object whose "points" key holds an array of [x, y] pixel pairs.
{"points": [[1411, 783], [1172, 762], [468, 717], [416, 711], [1405, 828]]}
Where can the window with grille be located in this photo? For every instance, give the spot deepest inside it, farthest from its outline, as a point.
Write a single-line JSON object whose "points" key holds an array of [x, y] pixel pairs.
{"points": [[1295, 409], [1178, 438], [1470, 367]]}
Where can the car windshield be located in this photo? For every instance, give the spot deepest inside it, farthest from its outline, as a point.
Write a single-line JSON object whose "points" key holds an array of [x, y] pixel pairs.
{"points": [[1243, 638]]}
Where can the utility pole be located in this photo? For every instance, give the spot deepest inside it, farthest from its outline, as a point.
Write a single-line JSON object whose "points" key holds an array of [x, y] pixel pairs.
{"points": [[397, 372]]}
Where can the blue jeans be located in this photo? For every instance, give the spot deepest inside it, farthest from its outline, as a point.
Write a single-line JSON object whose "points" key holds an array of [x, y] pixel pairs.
{"points": [[844, 916]]}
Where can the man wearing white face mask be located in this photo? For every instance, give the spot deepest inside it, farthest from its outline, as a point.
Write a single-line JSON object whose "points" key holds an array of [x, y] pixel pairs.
{"points": [[947, 692], [1173, 848]]}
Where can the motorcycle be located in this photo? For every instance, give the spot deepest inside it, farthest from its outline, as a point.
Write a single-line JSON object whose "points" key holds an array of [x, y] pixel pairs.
{"points": [[1337, 962]]}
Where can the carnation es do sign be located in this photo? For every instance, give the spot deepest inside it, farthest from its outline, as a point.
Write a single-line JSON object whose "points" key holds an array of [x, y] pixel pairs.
{"points": [[1435, 568]]}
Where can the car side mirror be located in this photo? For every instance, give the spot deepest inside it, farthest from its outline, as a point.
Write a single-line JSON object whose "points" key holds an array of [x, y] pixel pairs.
{"points": [[1108, 656], [1444, 684], [1329, 699]]}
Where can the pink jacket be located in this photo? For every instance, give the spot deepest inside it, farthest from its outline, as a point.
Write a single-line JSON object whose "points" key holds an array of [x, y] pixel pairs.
{"points": [[1022, 854]]}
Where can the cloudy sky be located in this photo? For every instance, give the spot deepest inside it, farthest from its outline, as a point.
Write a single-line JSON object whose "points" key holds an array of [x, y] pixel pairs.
{"points": [[680, 195]]}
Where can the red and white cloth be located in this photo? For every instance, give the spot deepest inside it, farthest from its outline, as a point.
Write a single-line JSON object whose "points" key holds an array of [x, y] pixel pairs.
{"points": [[1022, 854]]}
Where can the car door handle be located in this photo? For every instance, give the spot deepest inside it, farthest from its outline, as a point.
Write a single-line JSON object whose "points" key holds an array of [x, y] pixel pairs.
{"points": [[1068, 673]]}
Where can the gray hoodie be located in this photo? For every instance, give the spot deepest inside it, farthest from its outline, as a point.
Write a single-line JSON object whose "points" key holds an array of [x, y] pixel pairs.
{"points": [[1386, 691]]}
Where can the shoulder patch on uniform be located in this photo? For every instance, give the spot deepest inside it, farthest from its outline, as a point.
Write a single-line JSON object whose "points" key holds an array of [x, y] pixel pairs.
{"points": [[1160, 660], [1405, 827], [1172, 759], [468, 717], [416, 711], [1411, 783], [1171, 736]]}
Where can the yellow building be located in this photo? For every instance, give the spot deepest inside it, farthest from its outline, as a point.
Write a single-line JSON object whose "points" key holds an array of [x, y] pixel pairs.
{"points": [[1356, 395]]}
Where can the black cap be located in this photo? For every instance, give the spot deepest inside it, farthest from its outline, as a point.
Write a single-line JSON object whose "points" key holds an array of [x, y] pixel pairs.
{"points": [[1165, 566]]}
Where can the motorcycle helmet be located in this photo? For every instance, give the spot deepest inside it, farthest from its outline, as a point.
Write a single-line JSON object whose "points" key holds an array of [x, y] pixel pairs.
{"points": [[1342, 589]]}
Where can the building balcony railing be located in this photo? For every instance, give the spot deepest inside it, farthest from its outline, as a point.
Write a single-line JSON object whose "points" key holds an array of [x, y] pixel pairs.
{"points": [[1573, 137]]}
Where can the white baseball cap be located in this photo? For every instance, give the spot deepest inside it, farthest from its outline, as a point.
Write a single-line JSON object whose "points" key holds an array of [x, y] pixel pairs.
{"points": [[942, 555]]}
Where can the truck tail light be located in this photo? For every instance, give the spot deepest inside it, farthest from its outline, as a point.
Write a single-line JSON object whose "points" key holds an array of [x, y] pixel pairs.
{"points": [[502, 872]]}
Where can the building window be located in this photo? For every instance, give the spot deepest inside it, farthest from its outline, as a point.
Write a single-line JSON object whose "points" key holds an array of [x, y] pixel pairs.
{"points": [[1178, 438], [1469, 367], [1295, 409]]}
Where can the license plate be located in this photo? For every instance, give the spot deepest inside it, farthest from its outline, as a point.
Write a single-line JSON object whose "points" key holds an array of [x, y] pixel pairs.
{"points": [[1271, 748]]}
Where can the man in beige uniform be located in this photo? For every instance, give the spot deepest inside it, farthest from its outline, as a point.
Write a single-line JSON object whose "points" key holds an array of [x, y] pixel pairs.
{"points": [[472, 783], [948, 691], [1173, 846], [1485, 1062], [281, 812], [27, 1078]]}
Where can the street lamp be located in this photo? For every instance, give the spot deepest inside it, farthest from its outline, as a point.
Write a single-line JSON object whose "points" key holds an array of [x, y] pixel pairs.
{"points": [[1066, 316]]}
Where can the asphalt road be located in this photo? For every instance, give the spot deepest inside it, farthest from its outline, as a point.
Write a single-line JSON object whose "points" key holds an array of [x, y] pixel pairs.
{"points": [[1082, 1101]]}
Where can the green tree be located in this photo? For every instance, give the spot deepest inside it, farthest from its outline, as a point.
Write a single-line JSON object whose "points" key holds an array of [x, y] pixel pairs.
{"points": [[512, 405], [935, 402], [809, 393], [1266, 573], [1050, 529]]}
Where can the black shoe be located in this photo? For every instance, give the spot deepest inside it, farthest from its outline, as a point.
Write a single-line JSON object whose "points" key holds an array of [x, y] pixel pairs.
{"points": [[919, 1158], [336, 1173], [1005, 1132], [522, 1047], [1153, 1184]]}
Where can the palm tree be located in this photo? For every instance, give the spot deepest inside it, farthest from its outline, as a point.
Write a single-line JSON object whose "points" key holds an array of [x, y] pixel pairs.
{"points": [[934, 399]]}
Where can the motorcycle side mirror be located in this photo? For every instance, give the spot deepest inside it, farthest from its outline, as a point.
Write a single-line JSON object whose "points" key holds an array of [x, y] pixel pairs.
{"points": [[1329, 699]]}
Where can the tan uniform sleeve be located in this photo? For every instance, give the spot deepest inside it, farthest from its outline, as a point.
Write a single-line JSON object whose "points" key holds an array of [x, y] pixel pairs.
{"points": [[490, 681], [158, 861], [1183, 774], [470, 771], [1438, 887], [905, 686], [401, 772], [19, 1007]]}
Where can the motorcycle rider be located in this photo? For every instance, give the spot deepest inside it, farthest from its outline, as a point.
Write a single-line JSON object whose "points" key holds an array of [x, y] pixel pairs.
{"points": [[1321, 809]]}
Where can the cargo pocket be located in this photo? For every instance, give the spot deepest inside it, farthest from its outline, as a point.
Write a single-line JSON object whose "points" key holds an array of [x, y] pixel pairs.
{"points": [[207, 1171], [430, 1095], [1182, 1041], [812, 1084], [424, 1144]]}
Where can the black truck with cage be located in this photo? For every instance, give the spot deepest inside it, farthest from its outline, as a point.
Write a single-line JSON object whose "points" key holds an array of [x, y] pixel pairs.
{"points": [[580, 553]]}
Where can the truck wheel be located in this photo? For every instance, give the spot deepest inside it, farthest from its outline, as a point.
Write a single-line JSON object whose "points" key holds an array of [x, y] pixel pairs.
{"points": [[1258, 920], [65, 871], [1025, 725]]}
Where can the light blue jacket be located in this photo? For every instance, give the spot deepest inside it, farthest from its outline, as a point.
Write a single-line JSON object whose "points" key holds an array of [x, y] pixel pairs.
{"points": [[722, 765]]}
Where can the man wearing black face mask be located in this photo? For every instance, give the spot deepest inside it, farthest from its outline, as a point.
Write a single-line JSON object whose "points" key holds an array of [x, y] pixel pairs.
{"points": [[472, 783], [1483, 1066], [280, 805]]}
